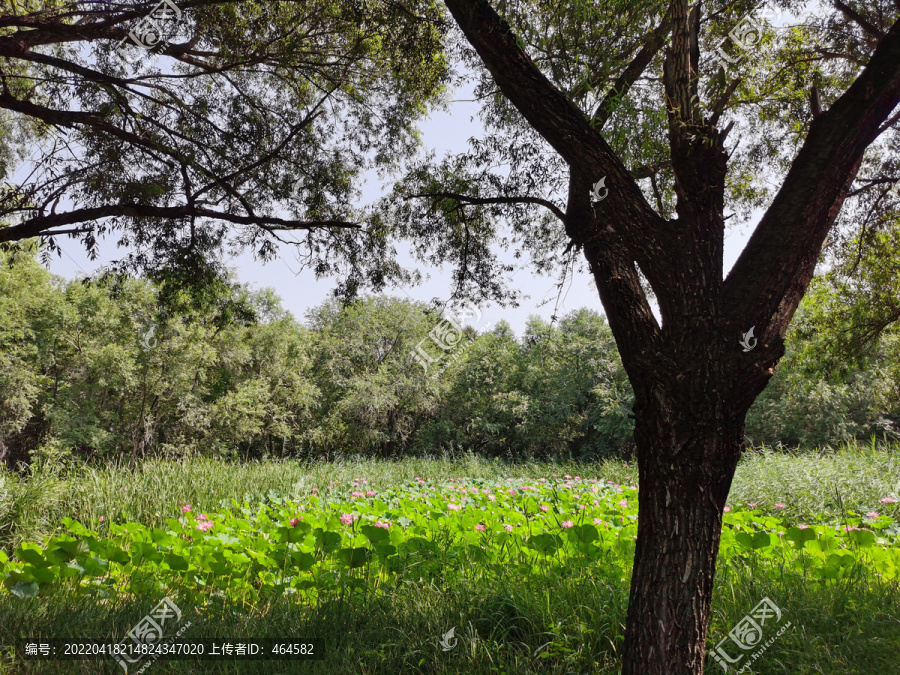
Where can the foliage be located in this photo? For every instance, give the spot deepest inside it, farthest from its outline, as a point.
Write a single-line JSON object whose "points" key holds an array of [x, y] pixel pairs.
{"points": [[250, 118], [119, 368], [311, 545]]}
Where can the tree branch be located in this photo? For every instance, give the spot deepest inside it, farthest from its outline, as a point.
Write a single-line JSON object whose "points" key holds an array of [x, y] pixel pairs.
{"points": [[772, 273], [655, 41], [495, 200], [647, 236], [42, 225], [859, 20]]}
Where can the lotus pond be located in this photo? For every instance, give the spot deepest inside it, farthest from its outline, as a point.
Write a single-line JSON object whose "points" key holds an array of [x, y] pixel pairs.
{"points": [[358, 538]]}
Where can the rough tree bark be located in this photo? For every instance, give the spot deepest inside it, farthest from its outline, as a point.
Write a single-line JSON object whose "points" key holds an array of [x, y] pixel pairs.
{"points": [[693, 383]]}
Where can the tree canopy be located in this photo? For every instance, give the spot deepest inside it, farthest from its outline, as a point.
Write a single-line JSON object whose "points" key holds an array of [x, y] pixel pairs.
{"points": [[250, 124]]}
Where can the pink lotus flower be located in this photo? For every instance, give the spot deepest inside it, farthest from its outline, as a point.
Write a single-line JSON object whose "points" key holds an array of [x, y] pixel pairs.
{"points": [[315, 489], [594, 490], [752, 505], [493, 498], [186, 508], [453, 507], [507, 527], [205, 525], [370, 493], [888, 500], [510, 492], [848, 528], [102, 519], [295, 522], [597, 521], [780, 533], [201, 517], [480, 527], [801, 526], [872, 514], [346, 518], [623, 503], [384, 525], [577, 477], [554, 475], [357, 494], [567, 477], [727, 509], [544, 507], [542, 480], [567, 524], [780, 505]]}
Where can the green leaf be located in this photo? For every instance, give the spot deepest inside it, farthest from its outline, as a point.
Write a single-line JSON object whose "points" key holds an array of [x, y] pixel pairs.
{"points": [[354, 557], [585, 534], [71, 570], [745, 539], [761, 540], [303, 561], [545, 543], [25, 590], [375, 534], [863, 537], [75, 527], [31, 553], [160, 537], [799, 537], [326, 540], [385, 550], [176, 562]]}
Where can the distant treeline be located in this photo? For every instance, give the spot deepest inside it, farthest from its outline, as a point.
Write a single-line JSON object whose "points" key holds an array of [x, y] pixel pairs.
{"points": [[114, 369]]}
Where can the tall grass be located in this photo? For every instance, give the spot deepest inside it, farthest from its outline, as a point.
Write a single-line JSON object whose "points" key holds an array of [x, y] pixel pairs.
{"points": [[558, 623], [852, 477]]}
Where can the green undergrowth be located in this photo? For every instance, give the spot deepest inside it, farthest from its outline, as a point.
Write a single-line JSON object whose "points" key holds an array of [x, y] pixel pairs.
{"points": [[528, 563]]}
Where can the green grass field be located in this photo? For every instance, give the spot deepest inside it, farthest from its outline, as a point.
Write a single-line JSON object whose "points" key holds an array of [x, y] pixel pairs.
{"points": [[527, 589]]}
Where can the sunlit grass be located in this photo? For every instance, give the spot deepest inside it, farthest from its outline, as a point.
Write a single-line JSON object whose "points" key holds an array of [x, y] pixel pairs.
{"points": [[558, 621]]}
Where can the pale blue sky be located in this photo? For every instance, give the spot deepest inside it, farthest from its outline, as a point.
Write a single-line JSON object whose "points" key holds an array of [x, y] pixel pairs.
{"points": [[442, 132]]}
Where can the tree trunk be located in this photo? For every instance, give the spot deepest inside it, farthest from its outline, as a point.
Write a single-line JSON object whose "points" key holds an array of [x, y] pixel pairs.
{"points": [[686, 463]]}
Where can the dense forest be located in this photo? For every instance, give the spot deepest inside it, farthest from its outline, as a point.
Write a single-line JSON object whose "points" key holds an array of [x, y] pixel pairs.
{"points": [[120, 368]]}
